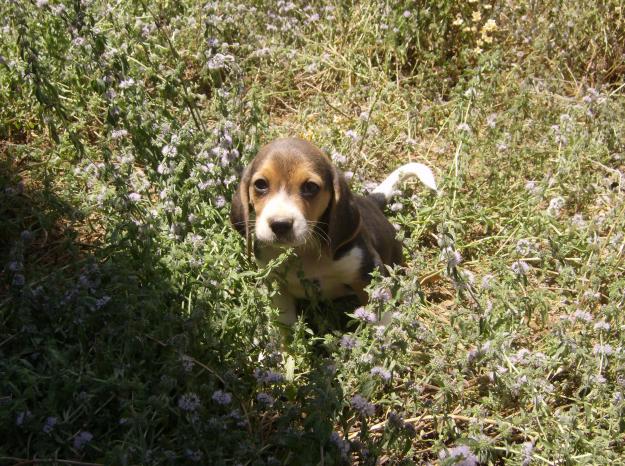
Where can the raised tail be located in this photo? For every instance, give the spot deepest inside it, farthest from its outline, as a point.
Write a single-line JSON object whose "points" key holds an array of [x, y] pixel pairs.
{"points": [[385, 191]]}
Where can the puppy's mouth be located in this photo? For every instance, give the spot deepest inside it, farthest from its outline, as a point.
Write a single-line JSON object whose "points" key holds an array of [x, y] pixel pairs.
{"points": [[283, 241]]}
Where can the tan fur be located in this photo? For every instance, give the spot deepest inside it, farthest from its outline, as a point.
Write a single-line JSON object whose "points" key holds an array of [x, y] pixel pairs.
{"points": [[290, 176]]}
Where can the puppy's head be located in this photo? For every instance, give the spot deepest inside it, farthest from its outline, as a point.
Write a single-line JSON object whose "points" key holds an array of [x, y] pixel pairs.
{"points": [[297, 197]]}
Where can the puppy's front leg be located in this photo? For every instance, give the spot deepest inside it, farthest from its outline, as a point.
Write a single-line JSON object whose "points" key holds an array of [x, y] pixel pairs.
{"points": [[286, 304], [359, 290]]}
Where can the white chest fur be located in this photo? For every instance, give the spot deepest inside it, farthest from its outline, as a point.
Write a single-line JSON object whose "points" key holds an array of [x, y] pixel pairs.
{"points": [[310, 272]]}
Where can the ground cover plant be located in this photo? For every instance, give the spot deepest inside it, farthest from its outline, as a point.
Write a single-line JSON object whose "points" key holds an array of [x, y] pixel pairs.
{"points": [[133, 327]]}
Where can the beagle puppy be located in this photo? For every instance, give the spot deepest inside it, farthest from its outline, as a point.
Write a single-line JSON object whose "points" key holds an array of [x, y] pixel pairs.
{"points": [[291, 195]]}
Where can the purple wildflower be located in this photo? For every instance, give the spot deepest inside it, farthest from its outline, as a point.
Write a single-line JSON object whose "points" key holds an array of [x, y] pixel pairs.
{"points": [[169, 151], [524, 247], [366, 316], [19, 280], [119, 133], [220, 202], [487, 281], [82, 438], [21, 417], [379, 371], [603, 350], [221, 397], [381, 294], [578, 221], [520, 357], [51, 421], [265, 398], [532, 187], [464, 127], [584, 316], [520, 268], [268, 377], [134, 197], [126, 83], [528, 449], [189, 402], [187, 363], [193, 455], [101, 302], [338, 158], [453, 257], [342, 444], [361, 405], [16, 266], [555, 205], [353, 135], [348, 342]]}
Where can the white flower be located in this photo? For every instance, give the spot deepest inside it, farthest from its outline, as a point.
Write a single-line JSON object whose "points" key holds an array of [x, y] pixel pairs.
{"points": [[119, 133], [353, 135], [220, 201], [126, 83], [169, 151], [219, 61], [464, 127], [520, 268], [338, 158], [524, 247], [603, 350]]}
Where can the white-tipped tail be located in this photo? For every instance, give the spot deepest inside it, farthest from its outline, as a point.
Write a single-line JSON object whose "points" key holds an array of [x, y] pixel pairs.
{"points": [[388, 186]]}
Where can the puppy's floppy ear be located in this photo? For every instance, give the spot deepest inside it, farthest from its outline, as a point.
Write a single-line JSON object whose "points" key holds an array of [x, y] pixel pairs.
{"points": [[240, 210], [344, 220]]}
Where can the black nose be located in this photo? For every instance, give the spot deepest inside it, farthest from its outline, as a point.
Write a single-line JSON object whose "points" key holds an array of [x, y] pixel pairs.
{"points": [[281, 227]]}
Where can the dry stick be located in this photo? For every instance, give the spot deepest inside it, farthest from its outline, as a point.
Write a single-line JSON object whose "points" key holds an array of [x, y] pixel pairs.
{"points": [[326, 99], [455, 417], [24, 461]]}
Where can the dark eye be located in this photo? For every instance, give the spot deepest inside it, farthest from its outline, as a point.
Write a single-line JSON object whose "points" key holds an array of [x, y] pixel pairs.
{"points": [[261, 186], [309, 189]]}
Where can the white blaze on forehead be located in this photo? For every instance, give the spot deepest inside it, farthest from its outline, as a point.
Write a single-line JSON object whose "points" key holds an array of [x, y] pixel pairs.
{"points": [[281, 207]]}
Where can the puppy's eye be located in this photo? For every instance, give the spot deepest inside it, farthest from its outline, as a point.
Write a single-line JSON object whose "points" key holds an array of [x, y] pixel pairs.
{"points": [[309, 189], [261, 186]]}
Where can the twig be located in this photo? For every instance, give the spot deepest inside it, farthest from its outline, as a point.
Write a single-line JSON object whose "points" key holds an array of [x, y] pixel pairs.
{"points": [[456, 417], [24, 461]]}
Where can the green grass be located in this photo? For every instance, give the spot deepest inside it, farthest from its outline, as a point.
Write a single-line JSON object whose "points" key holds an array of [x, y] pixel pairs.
{"points": [[134, 330]]}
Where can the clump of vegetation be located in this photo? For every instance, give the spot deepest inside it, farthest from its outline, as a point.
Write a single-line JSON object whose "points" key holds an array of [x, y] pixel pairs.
{"points": [[133, 327]]}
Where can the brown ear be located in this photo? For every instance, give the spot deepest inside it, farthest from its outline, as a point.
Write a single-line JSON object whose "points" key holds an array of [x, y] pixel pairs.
{"points": [[240, 210], [344, 222]]}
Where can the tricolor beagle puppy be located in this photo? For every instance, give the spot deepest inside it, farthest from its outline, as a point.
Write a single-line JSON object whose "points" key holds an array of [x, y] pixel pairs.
{"points": [[300, 200]]}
